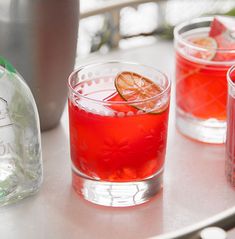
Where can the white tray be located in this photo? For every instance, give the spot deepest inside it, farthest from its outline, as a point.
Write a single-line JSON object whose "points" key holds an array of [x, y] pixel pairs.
{"points": [[194, 183]]}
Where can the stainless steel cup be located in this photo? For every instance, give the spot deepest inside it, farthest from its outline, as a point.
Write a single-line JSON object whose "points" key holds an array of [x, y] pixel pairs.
{"points": [[39, 38]]}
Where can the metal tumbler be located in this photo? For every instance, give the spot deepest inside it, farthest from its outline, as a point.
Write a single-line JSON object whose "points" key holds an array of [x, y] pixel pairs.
{"points": [[39, 38]]}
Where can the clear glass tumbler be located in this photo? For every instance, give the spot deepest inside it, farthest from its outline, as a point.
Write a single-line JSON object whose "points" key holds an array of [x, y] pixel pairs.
{"points": [[118, 146], [230, 139], [201, 86]]}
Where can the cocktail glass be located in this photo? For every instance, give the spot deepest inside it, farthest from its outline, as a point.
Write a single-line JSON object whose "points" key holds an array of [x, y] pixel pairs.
{"points": [[201, 86], [117, 146], [230, 139]]}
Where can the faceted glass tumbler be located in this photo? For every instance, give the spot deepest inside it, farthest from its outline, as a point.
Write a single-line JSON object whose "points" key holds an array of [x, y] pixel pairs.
{"points": [[20, 142], [201, 86]]}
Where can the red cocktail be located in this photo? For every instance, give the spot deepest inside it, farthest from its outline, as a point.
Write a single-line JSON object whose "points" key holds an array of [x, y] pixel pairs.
{"points": [[201, 89], [204, 53], [118, 131], [230, 142]]}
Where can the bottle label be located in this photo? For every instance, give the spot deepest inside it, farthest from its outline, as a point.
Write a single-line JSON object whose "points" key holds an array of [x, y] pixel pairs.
{"points": [[6, 146], [4, 116]]}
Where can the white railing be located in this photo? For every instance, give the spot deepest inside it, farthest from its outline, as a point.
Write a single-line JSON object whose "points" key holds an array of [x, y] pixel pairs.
{"points": [[114, 8]]}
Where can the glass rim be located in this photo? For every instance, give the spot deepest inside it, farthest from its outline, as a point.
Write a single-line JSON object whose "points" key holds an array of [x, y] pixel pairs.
{"points": [[90, 65], [229, 79], [178, 37]]}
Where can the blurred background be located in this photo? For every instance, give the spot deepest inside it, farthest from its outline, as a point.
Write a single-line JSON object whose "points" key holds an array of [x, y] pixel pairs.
{"points": [[108, 24]]}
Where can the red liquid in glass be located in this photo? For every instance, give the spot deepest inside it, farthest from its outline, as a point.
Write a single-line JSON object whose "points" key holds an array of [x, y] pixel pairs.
{"points": [[119, 149], [201, 90]]}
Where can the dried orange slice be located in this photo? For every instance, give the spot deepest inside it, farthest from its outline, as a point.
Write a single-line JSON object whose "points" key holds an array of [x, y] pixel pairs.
{"points": [[207, 43], [134, 87]]}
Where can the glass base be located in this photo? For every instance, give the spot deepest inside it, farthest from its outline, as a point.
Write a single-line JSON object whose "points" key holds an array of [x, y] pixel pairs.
{"points": [[17, 195], [15, 183], [116, 194], [208, 131]]}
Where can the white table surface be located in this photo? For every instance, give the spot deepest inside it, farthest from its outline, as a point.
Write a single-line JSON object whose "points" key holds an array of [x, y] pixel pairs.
{"points": [[194, 183]]}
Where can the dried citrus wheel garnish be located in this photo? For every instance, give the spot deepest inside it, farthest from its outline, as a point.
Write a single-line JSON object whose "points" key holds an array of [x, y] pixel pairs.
{"points": [[223, 31], [208, 43], [134, 87]]}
